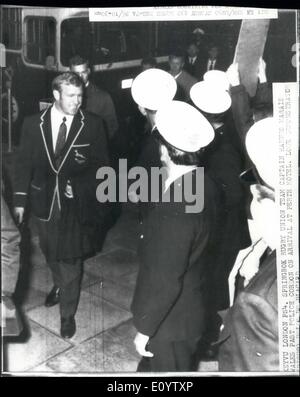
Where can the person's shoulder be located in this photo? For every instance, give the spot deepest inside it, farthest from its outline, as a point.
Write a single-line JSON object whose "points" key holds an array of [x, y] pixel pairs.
{"points": [[90, 117], [36, 118], [264, 283], [187, 76], [99, 91]]}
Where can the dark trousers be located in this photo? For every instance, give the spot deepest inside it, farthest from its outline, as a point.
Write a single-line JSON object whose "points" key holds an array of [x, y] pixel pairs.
{"points": [[66, 273], [68, 278], [170, 356]]}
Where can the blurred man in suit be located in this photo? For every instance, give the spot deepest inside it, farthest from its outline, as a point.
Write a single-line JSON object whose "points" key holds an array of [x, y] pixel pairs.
{"points": [[194, 61], [55, 173], [213, 60]]}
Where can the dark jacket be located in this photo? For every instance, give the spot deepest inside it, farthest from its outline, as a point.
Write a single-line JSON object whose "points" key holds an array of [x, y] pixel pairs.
{"points": [[195, 69], [184, 84], [39, 183], [250, 331], [224, 165], [99, 102], [169, 299]]}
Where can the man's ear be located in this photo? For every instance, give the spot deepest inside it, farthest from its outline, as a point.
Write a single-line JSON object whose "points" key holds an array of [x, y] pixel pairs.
{"points": [[142, 110], [56, 95]]}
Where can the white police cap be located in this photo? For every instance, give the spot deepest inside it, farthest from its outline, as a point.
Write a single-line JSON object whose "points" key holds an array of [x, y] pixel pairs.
{"points": [[183, 126], [209, 98], [198, 30], [152, 88], [217, 78], [261, 144]]}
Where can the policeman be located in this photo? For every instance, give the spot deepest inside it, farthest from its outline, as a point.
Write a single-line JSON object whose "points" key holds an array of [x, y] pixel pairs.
{"points": [[150, 90], [169, 301], [224, 163], [250, 332]]}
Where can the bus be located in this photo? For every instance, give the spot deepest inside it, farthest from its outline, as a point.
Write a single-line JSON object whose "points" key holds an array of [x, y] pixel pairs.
{"points": [[39, 42]]}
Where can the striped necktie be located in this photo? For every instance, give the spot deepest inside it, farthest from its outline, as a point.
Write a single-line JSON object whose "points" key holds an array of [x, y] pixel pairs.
{"points": [[60, 143]]}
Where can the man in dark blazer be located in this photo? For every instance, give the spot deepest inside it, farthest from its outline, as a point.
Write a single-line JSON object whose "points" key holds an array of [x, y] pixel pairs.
{"points": [[169, 301], [55, 176]]}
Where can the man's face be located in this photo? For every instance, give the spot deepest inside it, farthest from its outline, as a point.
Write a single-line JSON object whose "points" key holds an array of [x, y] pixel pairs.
{"points": [[213, 52], [192, 50], [83, 71], [69, 99], [146, 66], [176, 65]]}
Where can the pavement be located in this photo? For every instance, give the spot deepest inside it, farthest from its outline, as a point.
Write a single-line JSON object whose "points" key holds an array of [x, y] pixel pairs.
{"points": [[103, 342]]}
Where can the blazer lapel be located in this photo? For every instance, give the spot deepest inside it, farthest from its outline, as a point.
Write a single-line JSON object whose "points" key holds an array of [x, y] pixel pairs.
{"points": [[46, 131], [76, 127]]}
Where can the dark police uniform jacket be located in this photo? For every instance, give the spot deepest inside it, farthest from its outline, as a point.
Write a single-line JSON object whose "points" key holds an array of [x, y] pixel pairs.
{"points": [[169, 299], [250, 331], [39, 183]]}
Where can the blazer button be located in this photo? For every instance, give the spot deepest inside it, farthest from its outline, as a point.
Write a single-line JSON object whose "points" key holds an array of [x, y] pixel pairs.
{"points": [[141, 236]]}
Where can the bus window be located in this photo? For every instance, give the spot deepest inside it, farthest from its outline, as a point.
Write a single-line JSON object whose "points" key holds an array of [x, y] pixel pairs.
{"points": [[12, 34], [171, 35], [138, 38], [103, 43], [99, 43], [40, 39]]}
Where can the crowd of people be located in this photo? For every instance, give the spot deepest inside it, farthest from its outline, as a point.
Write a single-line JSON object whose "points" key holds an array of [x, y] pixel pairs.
{"points": [[197, 114]]}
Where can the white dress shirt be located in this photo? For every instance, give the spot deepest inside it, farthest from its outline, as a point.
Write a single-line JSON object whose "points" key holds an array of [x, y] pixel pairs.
{"points": [[192, 60], [177, 75], [211, 64], [56, 120]]}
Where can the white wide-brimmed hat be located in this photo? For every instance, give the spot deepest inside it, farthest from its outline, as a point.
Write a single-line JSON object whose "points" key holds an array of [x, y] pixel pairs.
{"points": [[183, 126], [209, 98], [218, 78], [198, 30], [261, 144], [153, 88]]}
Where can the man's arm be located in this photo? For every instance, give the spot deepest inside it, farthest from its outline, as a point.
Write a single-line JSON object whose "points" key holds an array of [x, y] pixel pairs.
{"points": [[263, 99], [10, 250], [241, 108], [22, 172]]}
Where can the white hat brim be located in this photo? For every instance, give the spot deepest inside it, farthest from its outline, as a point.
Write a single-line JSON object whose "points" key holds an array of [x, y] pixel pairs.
{"points": [[153, 88], [217, 78], [261, 145], [183, 126], [209, 98]]}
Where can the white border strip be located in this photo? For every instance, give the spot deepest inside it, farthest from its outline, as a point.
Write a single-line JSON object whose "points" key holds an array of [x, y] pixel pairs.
{"points": [[286, 103], [191, 13]]}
